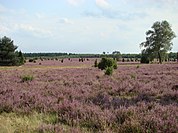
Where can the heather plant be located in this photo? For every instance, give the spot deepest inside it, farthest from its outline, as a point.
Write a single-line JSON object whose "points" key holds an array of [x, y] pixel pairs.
{"points": [[82, 100]]}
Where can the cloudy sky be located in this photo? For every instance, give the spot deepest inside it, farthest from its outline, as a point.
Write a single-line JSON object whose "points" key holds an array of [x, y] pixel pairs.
{"points": [[83, 26]]}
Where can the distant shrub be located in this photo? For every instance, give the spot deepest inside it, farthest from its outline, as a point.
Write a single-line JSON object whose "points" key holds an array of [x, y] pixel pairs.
{"points": [[31, 60], [96, 63], [107, 62], [81, 59], [133, 76], [26, 78], [109, 71]]}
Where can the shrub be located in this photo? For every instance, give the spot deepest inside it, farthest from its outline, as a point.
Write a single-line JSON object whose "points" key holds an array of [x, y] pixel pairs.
{"points": [[96, 63], [26, 78], [109, 71], [107, 62], [145, 58], [31, 60], [115, 65]]}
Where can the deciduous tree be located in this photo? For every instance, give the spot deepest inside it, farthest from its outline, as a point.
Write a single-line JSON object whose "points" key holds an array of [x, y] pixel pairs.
{"points": [[158, 41]]}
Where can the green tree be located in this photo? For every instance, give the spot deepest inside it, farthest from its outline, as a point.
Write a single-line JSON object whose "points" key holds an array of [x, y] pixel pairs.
{"points": [[21, 57], [116, 55], [8, 54], [158, 41]]}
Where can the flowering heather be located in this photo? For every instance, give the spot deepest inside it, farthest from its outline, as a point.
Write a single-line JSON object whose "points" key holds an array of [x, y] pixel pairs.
{"points": [[133, 99]]}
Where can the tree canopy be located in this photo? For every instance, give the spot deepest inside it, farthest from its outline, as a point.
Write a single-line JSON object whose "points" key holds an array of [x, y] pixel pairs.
{"points": [[158, 41], [9, 56]]}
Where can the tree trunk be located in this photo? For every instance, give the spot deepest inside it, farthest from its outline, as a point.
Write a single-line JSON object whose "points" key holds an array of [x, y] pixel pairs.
{"points": [[159, 57]]}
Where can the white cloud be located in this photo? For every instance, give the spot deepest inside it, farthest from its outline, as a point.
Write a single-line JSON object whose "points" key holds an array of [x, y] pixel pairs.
{"points": [[75, 2], [4, 29], [65, 21], [102, 4], [120, 25], [34, 30], [40, 15], [2, 9]]}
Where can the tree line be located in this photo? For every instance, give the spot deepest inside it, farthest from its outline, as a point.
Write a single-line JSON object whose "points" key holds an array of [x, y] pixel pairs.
{"points": [[168, 56]]}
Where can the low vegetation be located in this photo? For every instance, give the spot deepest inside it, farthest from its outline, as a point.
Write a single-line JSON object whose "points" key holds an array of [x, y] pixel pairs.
{"points": [[68, 95], [133, 99], [109, 71], [26, 78]]}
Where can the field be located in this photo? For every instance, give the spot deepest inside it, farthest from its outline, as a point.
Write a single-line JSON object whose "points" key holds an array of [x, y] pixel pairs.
{"points": [[73, 96]]}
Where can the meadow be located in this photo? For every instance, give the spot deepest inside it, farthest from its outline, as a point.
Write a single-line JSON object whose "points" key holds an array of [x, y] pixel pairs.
{"points": [[55, 97]]}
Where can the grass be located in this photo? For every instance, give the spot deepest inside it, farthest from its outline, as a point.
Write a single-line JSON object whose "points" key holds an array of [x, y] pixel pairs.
{"points": [[11, 122], [42, 67], [16, 123], [26, 78], [19, 123]]}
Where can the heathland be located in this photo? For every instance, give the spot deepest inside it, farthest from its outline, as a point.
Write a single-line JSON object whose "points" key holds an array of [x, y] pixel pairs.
{"points": [[73, 96]]}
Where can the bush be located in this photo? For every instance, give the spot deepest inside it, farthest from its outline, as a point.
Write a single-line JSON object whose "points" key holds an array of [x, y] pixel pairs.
{"points": [[145, 58], [96, 63], [31, 60], [26, 78], [109, 71], [107, 62]]}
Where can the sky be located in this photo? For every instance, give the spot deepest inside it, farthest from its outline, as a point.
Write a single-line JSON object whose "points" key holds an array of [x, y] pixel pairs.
{"points": [[84, 26]]}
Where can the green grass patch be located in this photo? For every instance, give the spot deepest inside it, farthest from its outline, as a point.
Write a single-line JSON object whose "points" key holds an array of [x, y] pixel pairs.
{"points": [[26, 78]]}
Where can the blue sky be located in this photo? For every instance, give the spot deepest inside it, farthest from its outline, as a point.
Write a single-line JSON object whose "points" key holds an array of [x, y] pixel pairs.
{"points": [[83, 26]]}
